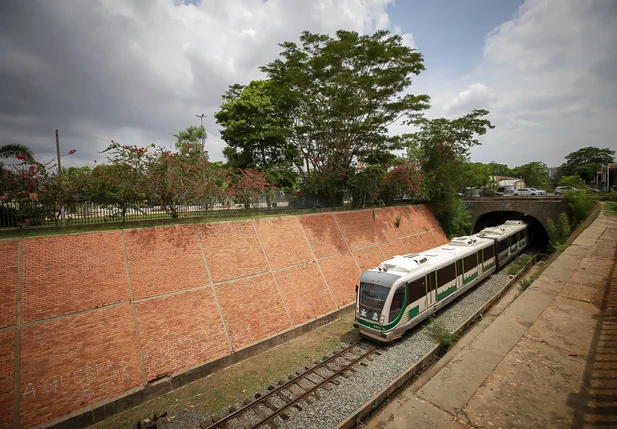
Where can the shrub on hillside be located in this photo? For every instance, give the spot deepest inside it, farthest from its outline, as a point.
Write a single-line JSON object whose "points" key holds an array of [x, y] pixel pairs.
{"points": [[580, 205]]}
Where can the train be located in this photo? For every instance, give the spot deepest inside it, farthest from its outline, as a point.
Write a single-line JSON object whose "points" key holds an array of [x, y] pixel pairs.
{"points": [[403, 291]]}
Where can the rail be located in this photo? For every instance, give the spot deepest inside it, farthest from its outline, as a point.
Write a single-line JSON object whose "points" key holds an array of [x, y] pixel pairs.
{"points": [[278, 401]]}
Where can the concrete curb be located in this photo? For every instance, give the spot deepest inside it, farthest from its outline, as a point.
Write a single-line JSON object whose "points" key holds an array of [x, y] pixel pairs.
{"points": [[368, 408]]}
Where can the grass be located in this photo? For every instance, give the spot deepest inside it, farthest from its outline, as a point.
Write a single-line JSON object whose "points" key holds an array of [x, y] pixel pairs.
{"points": [[241, 381], [440, 334], [519, 263], [610, 208]]}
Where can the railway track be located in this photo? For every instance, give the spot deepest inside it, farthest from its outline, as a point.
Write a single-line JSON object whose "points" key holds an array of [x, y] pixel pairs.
{"points": [[268, 410]]}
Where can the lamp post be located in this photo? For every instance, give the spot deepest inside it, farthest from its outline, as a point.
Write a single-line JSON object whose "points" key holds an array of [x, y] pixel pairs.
{"points": [[59, 176], [201, 125]]}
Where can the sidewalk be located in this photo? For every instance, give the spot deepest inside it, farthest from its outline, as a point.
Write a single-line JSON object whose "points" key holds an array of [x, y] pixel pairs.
{"points": [[549, 360]]}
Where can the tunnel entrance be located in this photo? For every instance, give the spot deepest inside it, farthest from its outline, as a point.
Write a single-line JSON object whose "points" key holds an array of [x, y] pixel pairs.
{"points": [[538, 238]]}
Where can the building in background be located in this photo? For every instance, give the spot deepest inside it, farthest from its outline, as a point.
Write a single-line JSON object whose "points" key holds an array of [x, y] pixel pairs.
{"points": [[606, 178], [507, 183]]}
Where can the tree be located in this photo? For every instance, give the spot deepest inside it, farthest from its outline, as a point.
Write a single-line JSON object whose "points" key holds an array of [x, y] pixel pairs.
{"points": [[189, 141], [256, 125], [500, 169], [590, 155], [534, 173], [123, 184], [343, 93], [476, 175], [12, 150], [574, 181], [445, 145], [585, 162]]}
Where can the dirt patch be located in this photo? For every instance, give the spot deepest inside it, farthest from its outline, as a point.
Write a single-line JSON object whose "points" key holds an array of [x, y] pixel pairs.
{"points": [[195, 402]]}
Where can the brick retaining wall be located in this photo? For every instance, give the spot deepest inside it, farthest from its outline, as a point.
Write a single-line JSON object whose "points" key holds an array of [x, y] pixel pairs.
{"points": [[88, 318]]}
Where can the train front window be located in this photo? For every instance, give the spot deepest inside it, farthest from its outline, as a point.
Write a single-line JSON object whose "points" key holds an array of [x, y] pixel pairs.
{"points": [[372, 299]]}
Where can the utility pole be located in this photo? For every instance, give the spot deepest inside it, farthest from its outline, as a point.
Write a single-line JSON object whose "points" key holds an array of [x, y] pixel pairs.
{"points": [[203, 144], [59, 176]]}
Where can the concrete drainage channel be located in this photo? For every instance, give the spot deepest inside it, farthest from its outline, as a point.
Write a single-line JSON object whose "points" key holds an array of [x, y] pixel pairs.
{"points": [[357, 397]]}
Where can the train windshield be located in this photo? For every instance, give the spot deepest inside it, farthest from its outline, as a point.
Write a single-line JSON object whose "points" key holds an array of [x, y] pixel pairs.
{"points": [[372, 299]]}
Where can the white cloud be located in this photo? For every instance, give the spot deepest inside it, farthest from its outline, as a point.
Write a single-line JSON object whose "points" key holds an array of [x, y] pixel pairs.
{"points": [[552, 79], [137, 71], [476, 96]]}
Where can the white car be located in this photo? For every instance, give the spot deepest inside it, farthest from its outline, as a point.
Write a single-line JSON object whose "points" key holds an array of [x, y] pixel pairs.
{"points": [[537, 191], [525, 191]]}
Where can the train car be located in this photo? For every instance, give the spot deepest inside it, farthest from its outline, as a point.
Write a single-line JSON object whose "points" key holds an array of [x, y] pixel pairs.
{"points": [[401, 292]]}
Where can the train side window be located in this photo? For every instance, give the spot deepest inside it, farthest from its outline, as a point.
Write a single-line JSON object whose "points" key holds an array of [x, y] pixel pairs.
{"points": [[459, 267], [446, 275], [488, 253], [397, 304], [416, 289], [503, 245], [471, 261]]}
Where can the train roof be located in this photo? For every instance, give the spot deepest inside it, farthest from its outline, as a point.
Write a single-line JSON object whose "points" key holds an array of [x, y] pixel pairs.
{"points": [[502, 231], [420, 263]]}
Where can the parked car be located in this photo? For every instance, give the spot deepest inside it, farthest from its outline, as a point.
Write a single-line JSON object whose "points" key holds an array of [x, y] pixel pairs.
{"points": [[561, 189], [535, 191], [524, 191], [592, 190]]}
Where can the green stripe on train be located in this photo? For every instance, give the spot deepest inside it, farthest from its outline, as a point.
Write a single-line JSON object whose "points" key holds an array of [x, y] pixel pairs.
{"points": [[446, 292]]}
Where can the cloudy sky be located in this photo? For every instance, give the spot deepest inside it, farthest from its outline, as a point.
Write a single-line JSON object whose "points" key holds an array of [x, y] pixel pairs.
{"points": [[136, 71]]}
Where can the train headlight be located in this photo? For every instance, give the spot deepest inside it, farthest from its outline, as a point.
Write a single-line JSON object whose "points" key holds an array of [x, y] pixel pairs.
{"points": [[382, 319]]}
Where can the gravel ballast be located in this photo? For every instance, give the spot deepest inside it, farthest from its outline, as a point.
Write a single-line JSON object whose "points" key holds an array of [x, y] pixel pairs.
{"points": [[343, 400]]}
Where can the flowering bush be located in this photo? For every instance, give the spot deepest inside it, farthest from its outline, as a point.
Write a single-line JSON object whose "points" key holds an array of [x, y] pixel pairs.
{"points": [[249, 187]]}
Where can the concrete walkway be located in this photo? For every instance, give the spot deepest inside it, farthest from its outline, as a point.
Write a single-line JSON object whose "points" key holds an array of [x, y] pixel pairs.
{"points": [[548, 360]]}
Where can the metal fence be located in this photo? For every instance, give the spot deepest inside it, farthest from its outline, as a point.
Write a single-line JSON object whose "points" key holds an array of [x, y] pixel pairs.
{"points": [[34, 212]]}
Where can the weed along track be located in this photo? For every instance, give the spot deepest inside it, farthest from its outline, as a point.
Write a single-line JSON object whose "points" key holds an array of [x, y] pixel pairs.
{"points": [[273, 408]]}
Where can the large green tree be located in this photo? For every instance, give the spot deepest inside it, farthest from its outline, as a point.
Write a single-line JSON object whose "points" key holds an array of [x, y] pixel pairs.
{"points": [[344, 92], [444, 144], [585, 162], [256, 124]]}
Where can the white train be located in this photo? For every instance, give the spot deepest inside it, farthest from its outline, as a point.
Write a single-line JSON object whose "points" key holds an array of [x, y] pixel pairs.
{"points": [[402, 291]]}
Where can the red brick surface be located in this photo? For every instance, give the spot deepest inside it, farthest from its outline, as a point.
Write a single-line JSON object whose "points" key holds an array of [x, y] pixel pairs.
{"points": [[7, 358], [324, 235], [342, 274], [180, 331], [357, 227], [164, 259], [232, 250], [8, 282], [383, 227], [394, 247], [70, 363], [305, 292], [70, 273], [283, 241], [414, 243], [407, 223], [253, 309], [369, 257]]}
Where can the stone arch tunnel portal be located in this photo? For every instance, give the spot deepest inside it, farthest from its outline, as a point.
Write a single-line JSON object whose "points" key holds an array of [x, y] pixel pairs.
{"points": [[538, 238]]}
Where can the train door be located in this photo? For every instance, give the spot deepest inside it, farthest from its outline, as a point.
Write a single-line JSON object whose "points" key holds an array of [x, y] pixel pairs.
{"points": [[431, 289], [480, 262], [459, 273]]}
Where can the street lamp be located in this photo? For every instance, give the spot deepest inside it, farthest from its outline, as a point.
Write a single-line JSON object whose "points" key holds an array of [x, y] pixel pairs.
{"points": [[201, 124]]}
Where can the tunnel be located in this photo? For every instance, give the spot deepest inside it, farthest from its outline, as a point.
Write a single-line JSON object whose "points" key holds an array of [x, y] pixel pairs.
{"points": [[538, 238]]}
